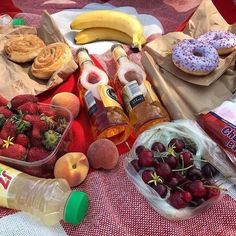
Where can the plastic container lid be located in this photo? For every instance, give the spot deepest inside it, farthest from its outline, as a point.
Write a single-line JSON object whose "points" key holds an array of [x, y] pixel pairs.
{"points": [[18, 21], [76, 207]]}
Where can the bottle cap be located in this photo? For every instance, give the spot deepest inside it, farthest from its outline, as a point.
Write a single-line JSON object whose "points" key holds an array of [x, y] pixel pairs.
{"points": [[118, 51], [76, 207], [18, 21], [82, 55]]}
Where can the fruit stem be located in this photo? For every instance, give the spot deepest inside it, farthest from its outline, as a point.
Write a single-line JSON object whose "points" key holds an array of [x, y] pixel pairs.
{"points": [[216, 187], [183, 168], [200, 160]]}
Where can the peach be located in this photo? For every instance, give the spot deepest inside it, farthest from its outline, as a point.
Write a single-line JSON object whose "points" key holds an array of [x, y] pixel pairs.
{"points": [[67, 100], [103, 153], [73, 166]]}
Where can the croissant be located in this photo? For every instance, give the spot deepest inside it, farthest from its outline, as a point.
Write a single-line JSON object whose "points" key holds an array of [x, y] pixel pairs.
{"points": [[23, 48], [50, 59]]}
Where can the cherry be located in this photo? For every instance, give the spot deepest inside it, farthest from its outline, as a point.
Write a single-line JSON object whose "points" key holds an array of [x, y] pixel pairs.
{"points": [[192, 149], [161, 189], [209, 171], [158, 147], [135, 164], [171, 161], [163, 170], [194, 173], [212, 193], [139, 149], [177, 144], [146, 158], [187, 196], [181, 178], [176, 200], [147, 176], [186, 158], [172, 182], [197, 188]]}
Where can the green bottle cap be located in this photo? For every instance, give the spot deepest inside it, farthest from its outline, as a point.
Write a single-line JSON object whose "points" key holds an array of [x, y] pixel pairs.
{"points": [[18, 21], [76, 207]]}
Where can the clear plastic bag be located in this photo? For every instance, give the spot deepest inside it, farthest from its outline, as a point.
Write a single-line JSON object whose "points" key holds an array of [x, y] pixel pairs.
{"points": [[192, 134]]}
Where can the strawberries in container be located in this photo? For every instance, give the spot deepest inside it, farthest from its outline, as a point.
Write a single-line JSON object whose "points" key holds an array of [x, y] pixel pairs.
{"points": [[168, 165], [33, 135]]}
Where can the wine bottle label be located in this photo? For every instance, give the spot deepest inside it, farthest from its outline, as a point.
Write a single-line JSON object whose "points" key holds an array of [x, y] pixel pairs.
{"points": [[132, 95], [90, 103], [83, 56], [150, 93], [118, 52], [7, 174], [108, 96]]}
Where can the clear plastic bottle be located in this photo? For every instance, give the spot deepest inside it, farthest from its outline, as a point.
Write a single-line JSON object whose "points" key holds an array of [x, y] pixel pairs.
{"points": [[49, 200], [107, 117], [142, 105]]}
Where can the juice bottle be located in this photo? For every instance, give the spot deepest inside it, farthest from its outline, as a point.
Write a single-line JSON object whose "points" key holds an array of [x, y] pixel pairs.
{"points": [[106, 115], [50, 200], [142, 105]]}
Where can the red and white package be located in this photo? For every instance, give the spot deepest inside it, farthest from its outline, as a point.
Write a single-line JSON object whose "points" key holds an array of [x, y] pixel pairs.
{"points": [[220, 125]]}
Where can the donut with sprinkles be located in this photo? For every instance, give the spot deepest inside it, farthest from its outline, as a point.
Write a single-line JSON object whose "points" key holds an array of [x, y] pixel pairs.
{"points": [[195, 57], [223, 42]]}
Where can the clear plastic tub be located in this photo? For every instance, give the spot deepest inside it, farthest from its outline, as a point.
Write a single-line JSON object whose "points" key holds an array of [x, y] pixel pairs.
{"points": [[184, 129], [44, 168]]}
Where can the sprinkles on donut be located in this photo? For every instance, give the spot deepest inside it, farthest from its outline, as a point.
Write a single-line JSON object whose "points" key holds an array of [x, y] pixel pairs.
{"points": [[195, 57], [223, 42]]}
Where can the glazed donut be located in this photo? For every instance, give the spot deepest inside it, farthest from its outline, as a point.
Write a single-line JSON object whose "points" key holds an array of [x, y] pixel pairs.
{"points": [[195, 57], [223, 42]]}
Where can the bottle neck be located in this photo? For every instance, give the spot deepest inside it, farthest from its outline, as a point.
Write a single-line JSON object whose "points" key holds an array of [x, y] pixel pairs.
{"points": [[86, 64], [83, 58], [122, 60]]}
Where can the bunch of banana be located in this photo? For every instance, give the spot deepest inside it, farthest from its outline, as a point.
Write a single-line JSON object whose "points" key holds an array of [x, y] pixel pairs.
{"points": [[108, 25]]}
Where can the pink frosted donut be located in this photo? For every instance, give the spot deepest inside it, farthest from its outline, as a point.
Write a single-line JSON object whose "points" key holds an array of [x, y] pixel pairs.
{"points": [[223, 42], [195, 57]]}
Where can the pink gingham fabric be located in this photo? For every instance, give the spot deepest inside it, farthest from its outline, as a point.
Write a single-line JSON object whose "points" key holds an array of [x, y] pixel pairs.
{"points": [[116, 208]]}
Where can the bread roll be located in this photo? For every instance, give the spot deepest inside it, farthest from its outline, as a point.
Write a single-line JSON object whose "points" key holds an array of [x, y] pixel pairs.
{"points": [[23, 48], [50, 60]]}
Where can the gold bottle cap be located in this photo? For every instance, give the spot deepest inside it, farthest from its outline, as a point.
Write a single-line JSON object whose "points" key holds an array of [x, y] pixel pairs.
{"points": [[82, 55], [118, 51]]}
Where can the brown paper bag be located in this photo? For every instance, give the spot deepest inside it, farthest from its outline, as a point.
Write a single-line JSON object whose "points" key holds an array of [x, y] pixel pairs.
{"points": [[184, 100], [205, 18], [16, 78]]}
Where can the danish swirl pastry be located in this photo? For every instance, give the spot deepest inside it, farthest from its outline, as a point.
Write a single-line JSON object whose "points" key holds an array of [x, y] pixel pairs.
{"points": [[50, 60], [23, 48]]}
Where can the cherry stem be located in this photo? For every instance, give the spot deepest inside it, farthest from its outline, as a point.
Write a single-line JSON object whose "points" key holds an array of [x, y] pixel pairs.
{"points": [[216, 187], [183, 168], [200, 160]]}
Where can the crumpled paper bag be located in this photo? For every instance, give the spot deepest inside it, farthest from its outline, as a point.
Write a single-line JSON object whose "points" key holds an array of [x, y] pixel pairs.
{"points": [[16, 78], [186, 99]]}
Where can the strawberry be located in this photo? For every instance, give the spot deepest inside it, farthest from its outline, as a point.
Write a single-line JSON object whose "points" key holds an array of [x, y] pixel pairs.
{"points": [[15, 151], [31, 118], [8, 130], [36, 154], [21, 99], [1, 142], [29, 108], [35, 142], [6, 112], [22, 139], [46, 110], [3, 101], [39, 127]]}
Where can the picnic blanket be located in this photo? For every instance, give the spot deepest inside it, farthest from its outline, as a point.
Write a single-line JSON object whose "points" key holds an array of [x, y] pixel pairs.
{"points": [[116, 208]]}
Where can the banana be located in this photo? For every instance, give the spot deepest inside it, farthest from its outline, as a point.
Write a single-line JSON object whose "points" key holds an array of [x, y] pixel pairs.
{"points": [[111, 19], [98, 34]]}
